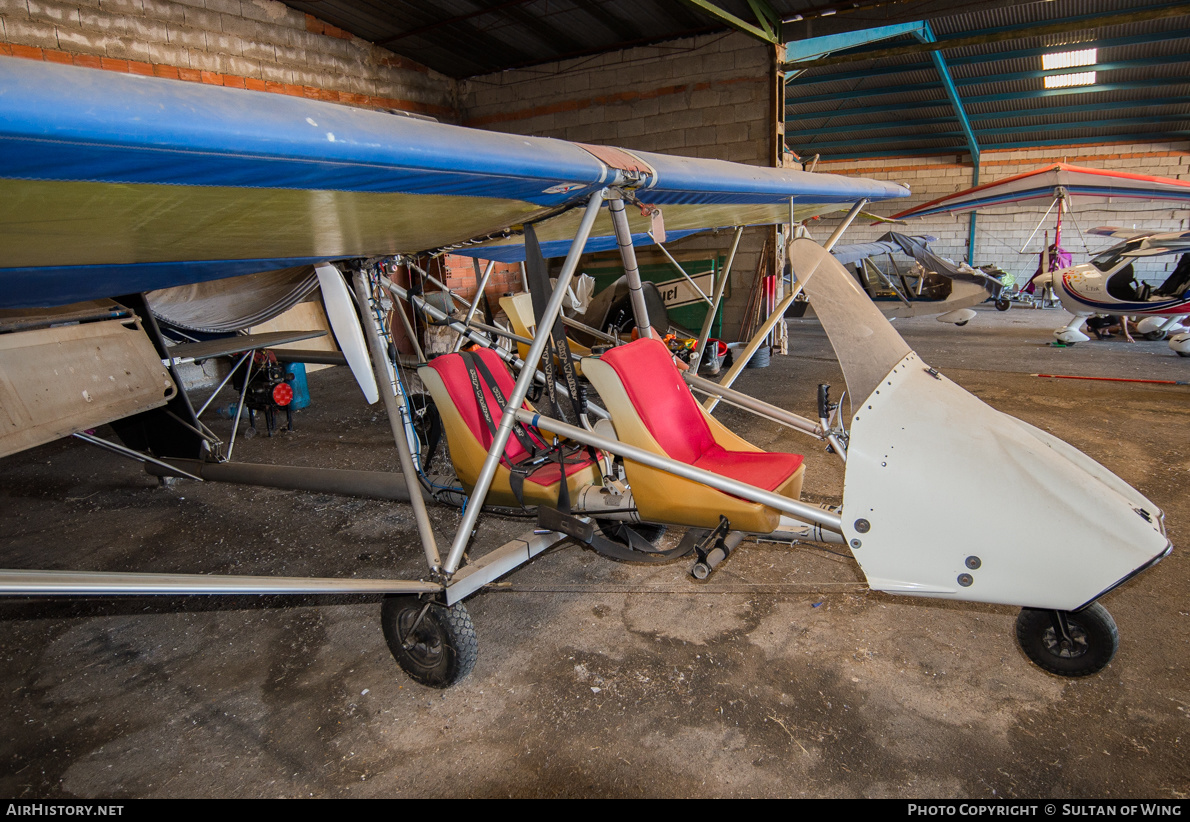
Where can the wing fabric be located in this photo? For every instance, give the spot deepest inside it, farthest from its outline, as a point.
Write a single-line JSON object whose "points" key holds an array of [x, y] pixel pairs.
{"points": [[1089, 185], [112, 183]]}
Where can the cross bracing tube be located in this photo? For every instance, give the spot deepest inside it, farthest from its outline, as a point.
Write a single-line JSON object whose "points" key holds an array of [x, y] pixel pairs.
{"points": [[484, 480]]}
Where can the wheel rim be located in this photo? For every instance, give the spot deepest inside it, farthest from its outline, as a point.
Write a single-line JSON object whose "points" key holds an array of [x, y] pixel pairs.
{"points": [[1076, 647], [422, 645]]}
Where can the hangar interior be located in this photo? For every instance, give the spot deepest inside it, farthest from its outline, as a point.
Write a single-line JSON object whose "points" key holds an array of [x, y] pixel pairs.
{"points": [[782, 675]]}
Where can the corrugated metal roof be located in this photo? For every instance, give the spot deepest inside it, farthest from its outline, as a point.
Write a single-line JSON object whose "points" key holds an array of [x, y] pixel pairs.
{"points": [[1142, 78]]}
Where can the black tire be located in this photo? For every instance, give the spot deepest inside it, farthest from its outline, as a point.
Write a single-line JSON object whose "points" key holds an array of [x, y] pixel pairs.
{"points": [[1003, 304], [437, 651], [1182, 353], [1092, 630], [964, 322], [628, 542], [1153, 336]]}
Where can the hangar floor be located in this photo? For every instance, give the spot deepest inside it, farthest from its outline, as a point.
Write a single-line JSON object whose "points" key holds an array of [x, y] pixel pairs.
{"points": [[780, 677]]}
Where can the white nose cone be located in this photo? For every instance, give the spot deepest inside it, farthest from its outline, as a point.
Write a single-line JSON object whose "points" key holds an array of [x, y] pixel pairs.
{"points": [[959, 317]]}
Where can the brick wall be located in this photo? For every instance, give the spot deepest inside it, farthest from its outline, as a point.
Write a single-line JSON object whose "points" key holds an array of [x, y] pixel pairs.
{"points": [[1000, 236], [255, 44], [459, 277], [699, 97]]}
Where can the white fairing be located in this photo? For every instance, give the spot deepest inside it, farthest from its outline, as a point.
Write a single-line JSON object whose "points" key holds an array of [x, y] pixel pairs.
{"points": [[1069, 335], [340, 311], [1180, 343], [1170, 325], [960, 317], [941, 477]]}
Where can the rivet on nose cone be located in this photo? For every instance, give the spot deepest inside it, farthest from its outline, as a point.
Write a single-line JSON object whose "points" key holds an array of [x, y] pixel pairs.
{"points": [[965, 580], [863, 526]]}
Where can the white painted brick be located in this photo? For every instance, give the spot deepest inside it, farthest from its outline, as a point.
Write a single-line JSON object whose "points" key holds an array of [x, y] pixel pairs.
{"points": [[187, 37], [221, 6], [254, 50], [201, 18], [248, 29], [31, 33], [169, 55], [101, 21], [147, 29], [225, 44], [132, 7], [275, 73], [237, 65], [203, 60], [129, 48], [60, 14], [14, 9], [79, 42], [164, 10]]}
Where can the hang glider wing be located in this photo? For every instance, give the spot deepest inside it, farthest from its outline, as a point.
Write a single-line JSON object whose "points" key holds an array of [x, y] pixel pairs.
{"points": [[1089, 185], [113, 183]]}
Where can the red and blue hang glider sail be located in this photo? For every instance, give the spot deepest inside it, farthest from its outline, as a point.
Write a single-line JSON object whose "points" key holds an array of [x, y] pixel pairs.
{"points": [[1089, 185], [114, 183]]}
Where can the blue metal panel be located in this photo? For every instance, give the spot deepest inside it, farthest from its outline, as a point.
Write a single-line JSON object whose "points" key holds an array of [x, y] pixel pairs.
{"points": [[817, 46]]}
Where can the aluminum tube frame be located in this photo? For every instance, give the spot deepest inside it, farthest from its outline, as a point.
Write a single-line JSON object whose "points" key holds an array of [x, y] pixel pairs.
{"points": [[807, 513], [640, 312], [757, 339], [124, 451], [682, 271], [594, 332], [779, 312], [235, 425], [749, 403], [720, 288], [511, 359], [96, 583], [408, 326], [219, 388], [837, 234], [484, 480], [496, 563], [398, 419], [482, 284]]}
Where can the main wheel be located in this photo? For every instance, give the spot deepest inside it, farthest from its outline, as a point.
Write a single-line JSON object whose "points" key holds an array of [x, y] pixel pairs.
{"points": [[1153, 336], [1068, 643], [1003, 304], [434, 644], [633, 543]]}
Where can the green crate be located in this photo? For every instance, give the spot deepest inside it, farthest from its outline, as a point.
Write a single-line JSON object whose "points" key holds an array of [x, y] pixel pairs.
{"points": [[685, 308]]}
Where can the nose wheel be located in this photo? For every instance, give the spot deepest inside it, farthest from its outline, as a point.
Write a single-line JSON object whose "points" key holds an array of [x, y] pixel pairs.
{"points": [[1068, 643], [434, 644]]}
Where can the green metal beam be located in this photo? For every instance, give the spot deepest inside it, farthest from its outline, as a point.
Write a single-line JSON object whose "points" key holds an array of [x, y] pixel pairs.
{"points": [[770, 21]]}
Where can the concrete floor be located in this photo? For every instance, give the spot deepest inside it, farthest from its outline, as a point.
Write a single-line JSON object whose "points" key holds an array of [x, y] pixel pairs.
{"points": [[781, 677]]}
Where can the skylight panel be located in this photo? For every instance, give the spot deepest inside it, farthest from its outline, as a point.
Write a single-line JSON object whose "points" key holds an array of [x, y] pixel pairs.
{"points": [[1069, 59], [1085, 78]]}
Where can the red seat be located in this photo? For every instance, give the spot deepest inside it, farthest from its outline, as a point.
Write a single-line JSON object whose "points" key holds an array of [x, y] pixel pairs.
{"points": [[652, 408], [677, 422], [469, 437]]}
